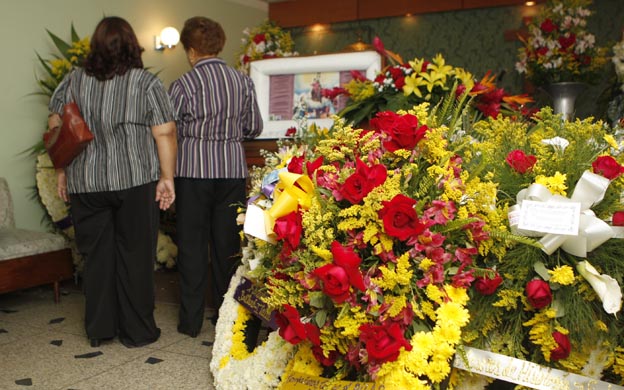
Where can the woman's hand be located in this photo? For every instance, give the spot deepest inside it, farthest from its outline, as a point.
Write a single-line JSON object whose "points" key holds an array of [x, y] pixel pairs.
{"points": [[61, 185], [167, 145], [165, 193]]}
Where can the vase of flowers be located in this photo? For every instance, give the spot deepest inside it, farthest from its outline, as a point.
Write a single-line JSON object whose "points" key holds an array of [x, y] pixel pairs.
{"points": [[563, 96], [559, 49], [267, 40]]}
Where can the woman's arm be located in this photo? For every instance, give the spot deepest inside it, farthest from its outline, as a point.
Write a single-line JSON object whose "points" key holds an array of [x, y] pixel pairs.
{"points": [[167, 145]]}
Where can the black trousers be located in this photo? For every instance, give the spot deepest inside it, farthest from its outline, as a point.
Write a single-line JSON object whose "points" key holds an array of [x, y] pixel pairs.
{"points": [[117, 233], [207, 235]]}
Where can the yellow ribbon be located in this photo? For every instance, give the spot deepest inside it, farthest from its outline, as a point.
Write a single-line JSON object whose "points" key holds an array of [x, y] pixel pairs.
{"points": [[293, 190], [592, 231]]}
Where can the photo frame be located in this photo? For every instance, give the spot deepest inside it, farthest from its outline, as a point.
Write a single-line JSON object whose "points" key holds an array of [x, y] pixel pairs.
{"points": [[287, 85]]}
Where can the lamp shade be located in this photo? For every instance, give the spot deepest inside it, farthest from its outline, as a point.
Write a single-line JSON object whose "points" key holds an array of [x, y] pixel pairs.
{"points": [[169, 36]]}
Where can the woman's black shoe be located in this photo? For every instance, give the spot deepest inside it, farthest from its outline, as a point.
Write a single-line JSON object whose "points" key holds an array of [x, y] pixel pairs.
{"points": [[95, 342]]}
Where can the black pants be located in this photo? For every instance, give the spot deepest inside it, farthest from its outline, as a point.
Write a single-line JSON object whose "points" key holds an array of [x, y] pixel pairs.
{"points": [[207, 233], [117, 233]]}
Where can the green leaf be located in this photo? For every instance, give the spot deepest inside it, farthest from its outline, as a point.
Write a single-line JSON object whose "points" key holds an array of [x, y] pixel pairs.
{"points": [[74, 35], [320, 318], [60, 44], [317, 299], [45, 65]]}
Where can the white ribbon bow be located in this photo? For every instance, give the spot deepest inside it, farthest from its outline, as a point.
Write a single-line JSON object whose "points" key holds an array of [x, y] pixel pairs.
{"points": [[592, 231]]}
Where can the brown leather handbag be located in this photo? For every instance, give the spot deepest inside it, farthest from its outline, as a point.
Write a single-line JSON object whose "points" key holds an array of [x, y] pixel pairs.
{"points": [[67, 141]]}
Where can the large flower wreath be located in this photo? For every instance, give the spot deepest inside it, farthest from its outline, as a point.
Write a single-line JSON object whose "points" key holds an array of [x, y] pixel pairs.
{"points": [[369, 250], [555, 303]]}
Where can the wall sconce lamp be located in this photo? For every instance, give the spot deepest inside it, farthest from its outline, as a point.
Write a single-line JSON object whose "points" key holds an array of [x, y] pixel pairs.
{"points": [[168, 39]]}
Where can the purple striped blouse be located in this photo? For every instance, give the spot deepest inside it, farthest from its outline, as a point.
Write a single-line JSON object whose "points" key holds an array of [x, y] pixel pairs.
{"points": [[216, 109]]}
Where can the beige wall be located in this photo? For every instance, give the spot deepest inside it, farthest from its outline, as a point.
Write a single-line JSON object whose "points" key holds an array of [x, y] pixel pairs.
{"points": [[23, 24]]}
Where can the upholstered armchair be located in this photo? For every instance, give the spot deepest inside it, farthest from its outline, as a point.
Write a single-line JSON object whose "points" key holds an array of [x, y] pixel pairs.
{"points": [[29, 258]]}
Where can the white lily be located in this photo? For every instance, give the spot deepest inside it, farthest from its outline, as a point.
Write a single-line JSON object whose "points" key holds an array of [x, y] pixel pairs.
{"points": [[606, 287]]}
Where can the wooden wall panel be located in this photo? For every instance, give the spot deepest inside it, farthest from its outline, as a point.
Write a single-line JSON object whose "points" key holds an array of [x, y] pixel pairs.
{"points": [[370, 9], [467, 4], [295, 13]]}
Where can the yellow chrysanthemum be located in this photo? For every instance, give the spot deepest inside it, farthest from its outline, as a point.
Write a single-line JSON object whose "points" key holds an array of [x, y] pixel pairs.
{"points": [[563, 275], [556, 183]]}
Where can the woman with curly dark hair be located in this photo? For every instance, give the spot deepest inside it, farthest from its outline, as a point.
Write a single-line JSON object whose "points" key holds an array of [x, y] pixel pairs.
{"points": [[118, 183]]}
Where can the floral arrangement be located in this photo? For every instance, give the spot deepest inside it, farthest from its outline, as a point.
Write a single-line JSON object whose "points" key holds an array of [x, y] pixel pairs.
{"points": [[614, 94], [553, 300], [368, 250], [267, 40], [72, 54], [401, 85], [558, 47]]}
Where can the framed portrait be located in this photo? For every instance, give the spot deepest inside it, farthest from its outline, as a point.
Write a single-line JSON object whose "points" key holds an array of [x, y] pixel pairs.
{"points": [[288, 88]]}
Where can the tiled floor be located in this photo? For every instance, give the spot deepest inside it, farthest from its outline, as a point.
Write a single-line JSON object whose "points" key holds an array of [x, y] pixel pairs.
{"points": [[43, 346]]}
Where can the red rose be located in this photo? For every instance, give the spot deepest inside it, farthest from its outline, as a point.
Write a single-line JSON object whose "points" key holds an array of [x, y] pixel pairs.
{"points": [[399, 83], [548, 26], [312, 166], [288, 228], [290, 327], [608, 167], [350, 261], [362, 181], [335, 280], [567, 41], [487, 286], [400, 219], [327, 361], [618, 218], [383, 342], [258, 38], [295, 165], [313, 333], [402, 131], [538, 293], [291, 131], [541, 51], [563, 346], [519, 161]]}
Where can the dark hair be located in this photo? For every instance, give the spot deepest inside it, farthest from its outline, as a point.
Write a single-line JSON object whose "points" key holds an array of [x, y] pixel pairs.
{"points": [[204, 35], [114, 49]]}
